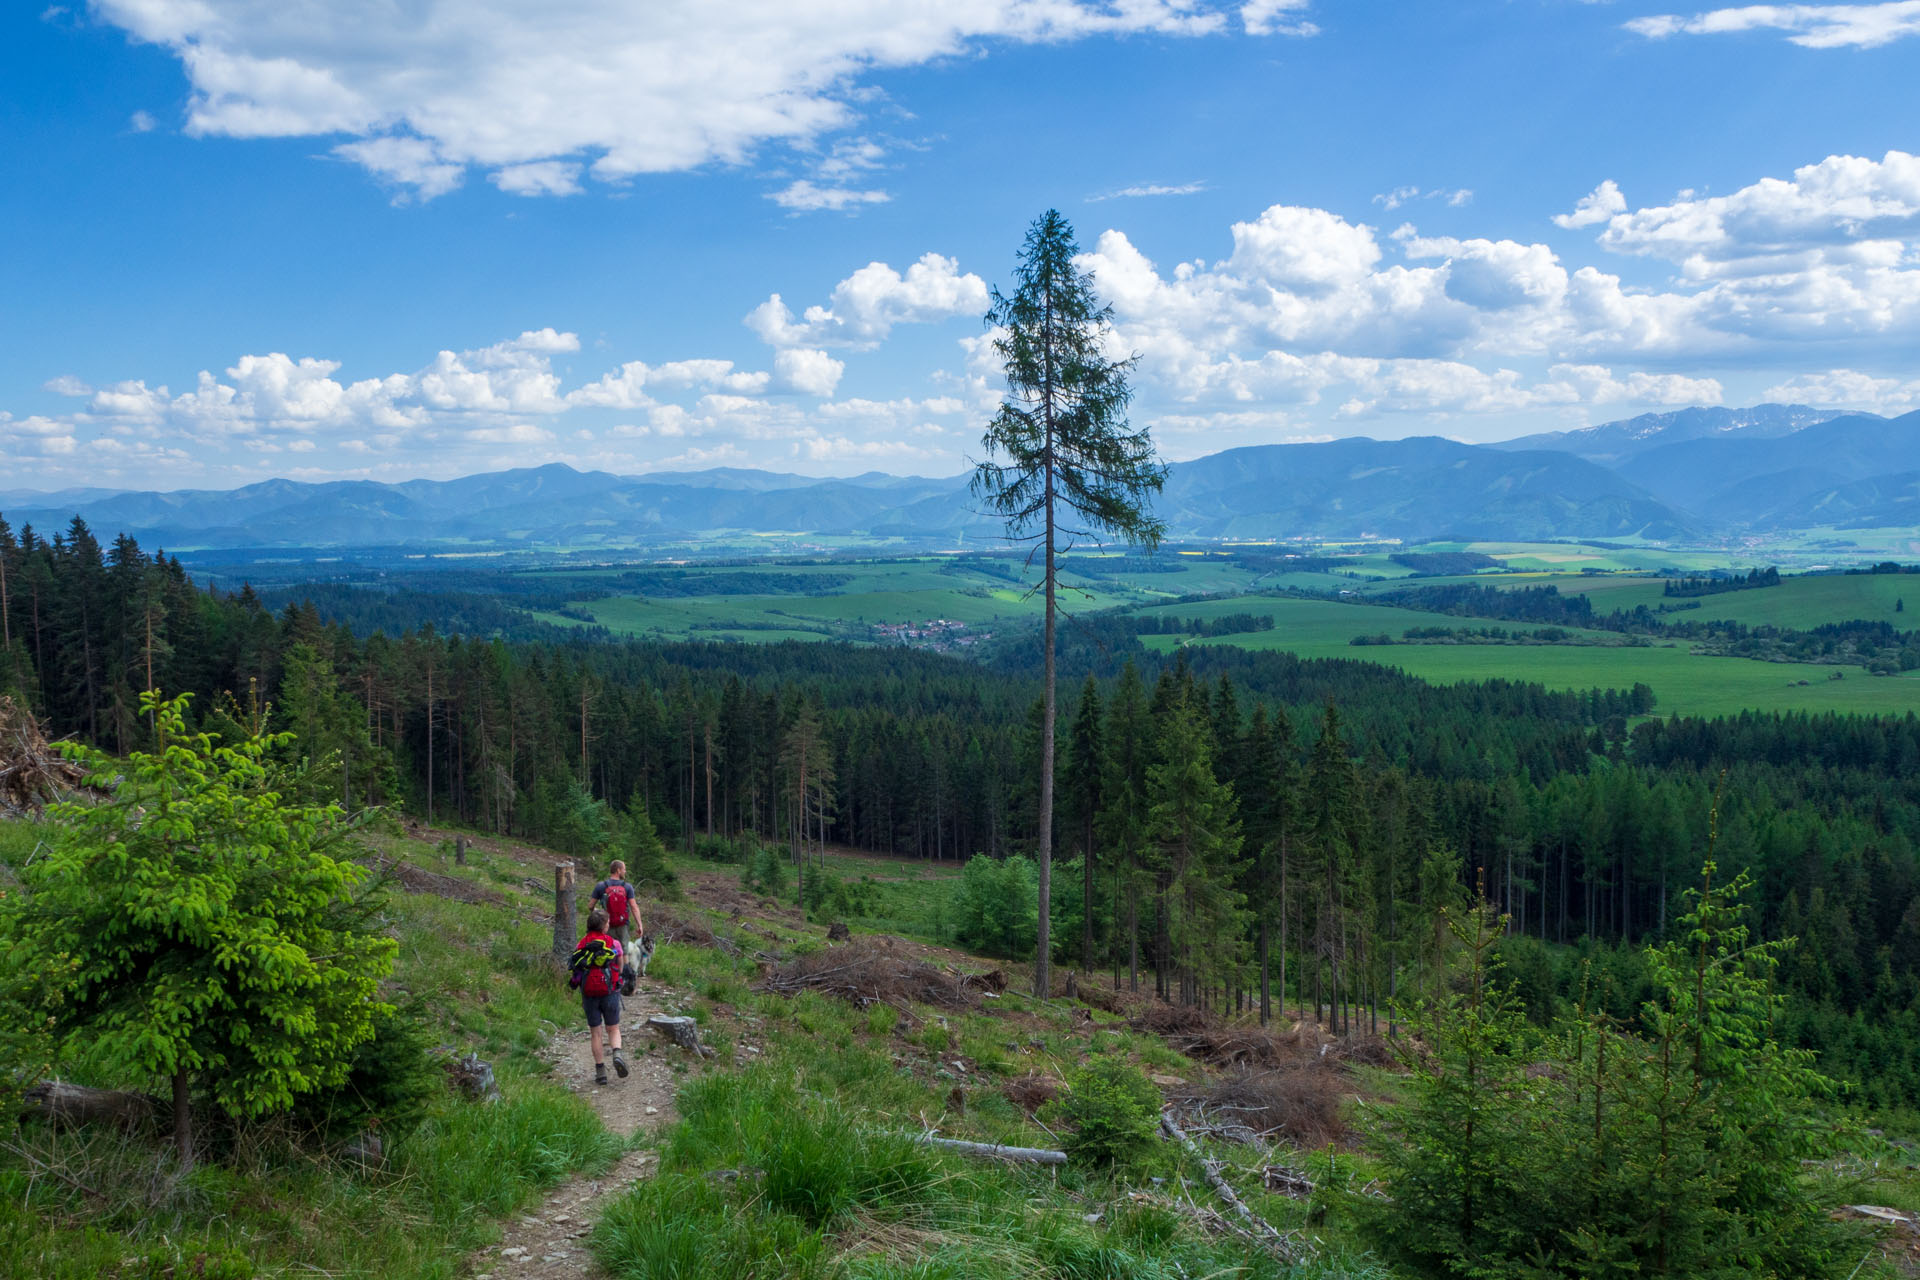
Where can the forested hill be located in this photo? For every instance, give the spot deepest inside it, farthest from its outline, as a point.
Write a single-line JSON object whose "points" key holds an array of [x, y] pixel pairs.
{"points": [[1354, 790]]}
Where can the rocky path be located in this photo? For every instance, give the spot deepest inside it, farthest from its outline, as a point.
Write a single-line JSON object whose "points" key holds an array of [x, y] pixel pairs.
{"points": [[551, 1242]]}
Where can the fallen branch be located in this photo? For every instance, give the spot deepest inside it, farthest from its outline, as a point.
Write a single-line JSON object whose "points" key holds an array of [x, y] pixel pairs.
{"points": [[1283, 1244], [78, 1104], [993, 1151]]}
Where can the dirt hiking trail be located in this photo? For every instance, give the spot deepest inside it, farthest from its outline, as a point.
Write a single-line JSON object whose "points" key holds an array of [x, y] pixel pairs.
{"points": [[550, 1243]]}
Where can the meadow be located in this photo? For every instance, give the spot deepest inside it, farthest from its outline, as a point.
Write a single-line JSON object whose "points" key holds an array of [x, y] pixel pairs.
{"points": [[991, 593]]}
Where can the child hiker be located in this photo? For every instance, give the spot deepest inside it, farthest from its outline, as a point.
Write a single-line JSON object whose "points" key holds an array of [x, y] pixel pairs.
{"points": [[623, 914], [595, 973]]}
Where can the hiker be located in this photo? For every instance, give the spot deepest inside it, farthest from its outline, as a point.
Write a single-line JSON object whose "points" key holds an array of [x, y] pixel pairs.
{"points": [[623, 916], [595, 971]]}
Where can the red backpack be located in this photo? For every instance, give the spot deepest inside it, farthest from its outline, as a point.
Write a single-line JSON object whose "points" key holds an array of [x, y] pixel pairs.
{"points": [[618, 898], [596, 959]]}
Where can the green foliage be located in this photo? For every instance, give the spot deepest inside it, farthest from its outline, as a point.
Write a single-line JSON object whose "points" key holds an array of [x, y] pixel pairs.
{"points": [[997, 909], [1114, 1111], [1595, 1151], [829, 897], [639, 846], [212, 930], [766, 871], [392, 1079]]}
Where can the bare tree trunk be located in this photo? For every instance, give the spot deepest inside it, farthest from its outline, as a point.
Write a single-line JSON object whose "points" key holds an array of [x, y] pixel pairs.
{"points": [[1042, 975], [183, 1113], [429, 737]]}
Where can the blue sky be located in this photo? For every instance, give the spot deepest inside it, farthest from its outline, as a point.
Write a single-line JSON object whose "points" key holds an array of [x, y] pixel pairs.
{"points": [[320, 238]]}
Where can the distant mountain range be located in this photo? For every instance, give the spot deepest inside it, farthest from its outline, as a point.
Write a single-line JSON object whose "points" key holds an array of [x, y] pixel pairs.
{"points": [[1676, 477]]}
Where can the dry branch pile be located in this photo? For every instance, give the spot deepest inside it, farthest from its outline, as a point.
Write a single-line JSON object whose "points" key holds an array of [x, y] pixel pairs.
{"points": [[32, 772], [871, 971], [1299, 1103]]}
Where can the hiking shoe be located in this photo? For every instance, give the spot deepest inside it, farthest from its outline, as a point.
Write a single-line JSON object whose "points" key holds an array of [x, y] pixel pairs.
{"points": [[599, 1073], [620, 1064]]}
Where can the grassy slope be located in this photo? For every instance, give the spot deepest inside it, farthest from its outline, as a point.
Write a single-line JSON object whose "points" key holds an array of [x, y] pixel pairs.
{"points": [[485, 970]]}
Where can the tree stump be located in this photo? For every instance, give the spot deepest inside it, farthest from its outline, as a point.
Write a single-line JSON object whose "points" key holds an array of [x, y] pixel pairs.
{"points": [[838, 931], [564, 936], [459, 851], [473, 1078], [682, 1031]]}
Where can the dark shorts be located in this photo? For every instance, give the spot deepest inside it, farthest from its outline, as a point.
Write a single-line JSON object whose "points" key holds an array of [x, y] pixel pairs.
{"points": [[602, 1009]]}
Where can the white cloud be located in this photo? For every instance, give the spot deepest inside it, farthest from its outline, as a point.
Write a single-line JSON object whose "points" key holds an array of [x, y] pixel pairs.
{"points": [[807, 370], [142, 122], [1391, 200], [804, 196], [1276, 18], [539, 178], [865, 306], [1148, 190], [426, 91], [1848, 389], [67, 385], [1815, 26], [1598, 205]]}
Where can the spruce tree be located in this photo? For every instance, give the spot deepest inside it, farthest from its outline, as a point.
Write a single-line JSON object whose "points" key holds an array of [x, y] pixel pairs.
{"points": [[1070, 454], [1086, 762]]}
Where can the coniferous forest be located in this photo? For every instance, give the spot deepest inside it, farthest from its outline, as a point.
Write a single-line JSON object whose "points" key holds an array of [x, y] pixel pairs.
{"points": [[1236, 830]]}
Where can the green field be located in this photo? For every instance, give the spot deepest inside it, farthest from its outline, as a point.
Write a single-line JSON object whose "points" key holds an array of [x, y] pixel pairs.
{"points": [[980, 592], [990, 594], [1681, 681], [1800, 602]]}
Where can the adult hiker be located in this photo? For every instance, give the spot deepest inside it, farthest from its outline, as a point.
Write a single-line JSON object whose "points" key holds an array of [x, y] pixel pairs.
{"points": [[623, 914], [594, 971]]}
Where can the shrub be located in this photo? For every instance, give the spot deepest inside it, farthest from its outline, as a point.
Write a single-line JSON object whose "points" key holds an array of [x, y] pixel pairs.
{"points": [[765, 872], [1114, 1111], [998, 906], [238, 911]]}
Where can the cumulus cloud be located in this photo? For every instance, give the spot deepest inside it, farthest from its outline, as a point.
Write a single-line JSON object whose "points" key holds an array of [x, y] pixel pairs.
{"points": [[1598, 205], [1814, 26], [865, 306], [1849, 389], [142, 122], [427, 91], [807, 370], [1276, 18]]}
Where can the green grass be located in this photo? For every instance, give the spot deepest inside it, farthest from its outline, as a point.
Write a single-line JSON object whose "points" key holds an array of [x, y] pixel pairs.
{"points": [[1682, 682], [803, 1165]]}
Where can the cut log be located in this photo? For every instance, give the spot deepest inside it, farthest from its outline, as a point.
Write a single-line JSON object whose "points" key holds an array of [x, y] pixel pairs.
{"points": [[682, 1031], [1283, 1244], [77, 1104], [993, 1151]]}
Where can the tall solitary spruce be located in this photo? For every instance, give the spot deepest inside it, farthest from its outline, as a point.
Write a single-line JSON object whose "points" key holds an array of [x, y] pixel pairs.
{"points": [[1063, 431]]}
